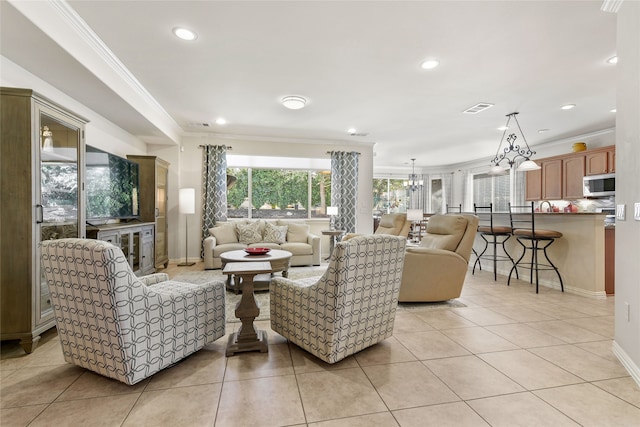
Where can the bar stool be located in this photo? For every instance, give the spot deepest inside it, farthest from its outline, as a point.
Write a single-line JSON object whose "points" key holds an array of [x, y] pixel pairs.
{"points": [[494, 235], [523, 228]]}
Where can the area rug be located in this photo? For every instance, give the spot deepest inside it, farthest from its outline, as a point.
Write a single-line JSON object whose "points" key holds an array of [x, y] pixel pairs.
{"points": [[262, 297]]}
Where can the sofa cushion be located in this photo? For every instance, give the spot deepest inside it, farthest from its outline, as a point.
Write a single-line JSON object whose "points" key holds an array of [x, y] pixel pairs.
{"points": [[297, 248], [274, 233], [224, 233], [444, 232], [220, 249], [249, 233], [297, 233], [265, 245]]}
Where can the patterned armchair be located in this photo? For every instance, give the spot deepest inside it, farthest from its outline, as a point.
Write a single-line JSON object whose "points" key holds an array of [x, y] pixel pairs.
{"points": [[351, 307], [121, 326]]}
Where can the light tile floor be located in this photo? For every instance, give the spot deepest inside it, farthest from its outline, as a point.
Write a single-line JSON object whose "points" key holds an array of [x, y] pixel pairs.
{"points": [[509, 358]]}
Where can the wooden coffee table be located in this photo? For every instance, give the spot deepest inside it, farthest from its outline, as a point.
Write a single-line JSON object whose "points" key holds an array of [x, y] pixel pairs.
{"points": [[279, 260]]}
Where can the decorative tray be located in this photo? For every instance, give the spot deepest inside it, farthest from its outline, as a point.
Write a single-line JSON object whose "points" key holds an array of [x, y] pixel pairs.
{"points": [[257, 251]]}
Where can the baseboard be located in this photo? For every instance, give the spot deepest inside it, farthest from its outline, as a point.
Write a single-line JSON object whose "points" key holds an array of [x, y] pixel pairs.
{"points": [[556, 286], [629, 365]]}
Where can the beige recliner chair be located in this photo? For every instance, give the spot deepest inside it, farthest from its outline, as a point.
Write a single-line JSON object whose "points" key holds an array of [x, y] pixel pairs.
{"points": [[435, 270], [394, 224]]}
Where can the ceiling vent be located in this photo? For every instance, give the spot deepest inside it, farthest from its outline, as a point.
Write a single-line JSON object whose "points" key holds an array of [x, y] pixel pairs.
{"points": [[199, 125], [477, 108]]}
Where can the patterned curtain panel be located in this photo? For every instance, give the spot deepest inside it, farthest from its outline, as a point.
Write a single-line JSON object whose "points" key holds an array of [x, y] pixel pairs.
{"points": [[344, 188], [214, 187]]}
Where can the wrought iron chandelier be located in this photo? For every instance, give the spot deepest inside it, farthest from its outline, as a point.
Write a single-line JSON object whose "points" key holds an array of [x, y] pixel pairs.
{"points": [[513, 149], [413, 183]]}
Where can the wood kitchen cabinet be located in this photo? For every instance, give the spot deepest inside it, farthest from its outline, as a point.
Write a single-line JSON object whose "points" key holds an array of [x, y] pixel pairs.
{"points": [[601, 161], [560, 177], [573, 169], [534, 185], [552, 179]]}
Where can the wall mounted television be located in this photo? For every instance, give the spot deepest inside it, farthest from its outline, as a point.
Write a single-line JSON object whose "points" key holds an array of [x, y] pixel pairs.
{"points": [[111, 186]]}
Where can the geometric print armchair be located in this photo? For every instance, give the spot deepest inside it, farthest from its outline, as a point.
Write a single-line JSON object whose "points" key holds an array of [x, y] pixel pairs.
{"points": [[349, 308], [122, 326]]}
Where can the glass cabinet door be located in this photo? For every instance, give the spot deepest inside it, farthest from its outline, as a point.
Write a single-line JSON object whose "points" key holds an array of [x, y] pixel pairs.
{"points": [[58, 200]]}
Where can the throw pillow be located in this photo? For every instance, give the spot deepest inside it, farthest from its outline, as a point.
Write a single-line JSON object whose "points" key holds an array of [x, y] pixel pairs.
{"points": [[297, 233], [224, 233], [275, 233], [249, 233]]}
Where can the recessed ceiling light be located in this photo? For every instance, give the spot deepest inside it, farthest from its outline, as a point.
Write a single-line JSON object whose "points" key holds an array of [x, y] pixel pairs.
{"points": [[613, 60], [221, 121], [429, 64], [184, 34], [503, 128], [543, 130], [294, 102], [352, 131], [613, 110], [567, 106]]}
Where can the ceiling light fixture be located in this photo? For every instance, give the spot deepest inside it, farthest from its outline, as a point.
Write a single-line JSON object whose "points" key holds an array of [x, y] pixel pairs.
{"points": [[184, 34], [543, 130], [352, 131], [568, 106], [413, 183], [294, 102], [613, 110], [503, 128], [515, 150], [613, 60], [221, 121], [430, 64]]}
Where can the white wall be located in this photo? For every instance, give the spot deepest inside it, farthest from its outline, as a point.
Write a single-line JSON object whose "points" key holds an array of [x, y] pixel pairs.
{"points": [[627, 329]]}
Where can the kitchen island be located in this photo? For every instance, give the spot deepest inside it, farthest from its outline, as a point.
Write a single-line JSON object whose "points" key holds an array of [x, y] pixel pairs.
{"points": [[579, 254]]}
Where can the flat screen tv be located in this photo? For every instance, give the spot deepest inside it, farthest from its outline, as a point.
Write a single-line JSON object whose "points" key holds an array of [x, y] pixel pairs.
{"points": [[111, 186]]}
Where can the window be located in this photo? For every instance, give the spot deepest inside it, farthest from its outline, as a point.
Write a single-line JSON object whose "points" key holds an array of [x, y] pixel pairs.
{"points": [[436, 195], [277, 193], [492, 189], [389, 196]]}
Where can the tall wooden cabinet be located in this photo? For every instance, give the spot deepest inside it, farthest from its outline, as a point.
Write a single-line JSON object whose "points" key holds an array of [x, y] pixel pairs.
{"points": [[42, 158], [154, 181]]}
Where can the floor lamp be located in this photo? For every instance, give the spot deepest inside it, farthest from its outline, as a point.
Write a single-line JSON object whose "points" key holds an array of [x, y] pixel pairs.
{"points": [[187, 206]]}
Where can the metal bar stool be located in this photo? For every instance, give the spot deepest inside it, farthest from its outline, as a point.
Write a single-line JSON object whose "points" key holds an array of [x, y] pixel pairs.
{"points": [[494, 235], [531, 238]]}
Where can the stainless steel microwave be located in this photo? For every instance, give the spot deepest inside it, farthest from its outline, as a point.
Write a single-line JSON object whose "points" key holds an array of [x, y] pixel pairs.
{"points": [[599, 185]]}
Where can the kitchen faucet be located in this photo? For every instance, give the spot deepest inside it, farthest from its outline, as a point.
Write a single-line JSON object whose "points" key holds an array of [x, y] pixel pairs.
{"points": [[548, 209]]}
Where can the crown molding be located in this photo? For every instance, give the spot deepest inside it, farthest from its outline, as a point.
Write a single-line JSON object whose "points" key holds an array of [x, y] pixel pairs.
{"points": [[62, 24]]}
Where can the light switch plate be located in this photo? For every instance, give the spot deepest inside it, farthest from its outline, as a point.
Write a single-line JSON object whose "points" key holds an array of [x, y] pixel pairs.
{"points": [[620, 212], [636, 211]]}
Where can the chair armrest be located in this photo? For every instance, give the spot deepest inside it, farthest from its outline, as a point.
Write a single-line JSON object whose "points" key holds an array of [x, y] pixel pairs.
{"points": [[209, 242], [152, 279], [350, 236]]}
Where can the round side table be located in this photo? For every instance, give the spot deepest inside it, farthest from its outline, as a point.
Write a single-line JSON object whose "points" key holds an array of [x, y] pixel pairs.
{"points": [[333, 236]]}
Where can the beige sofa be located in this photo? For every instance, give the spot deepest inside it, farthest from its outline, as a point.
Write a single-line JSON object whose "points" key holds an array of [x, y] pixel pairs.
{"points": [[288, 235], [435, 270]]}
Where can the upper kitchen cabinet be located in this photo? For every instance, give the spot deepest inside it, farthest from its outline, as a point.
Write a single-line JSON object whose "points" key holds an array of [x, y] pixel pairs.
{"points": [[601, 161]]}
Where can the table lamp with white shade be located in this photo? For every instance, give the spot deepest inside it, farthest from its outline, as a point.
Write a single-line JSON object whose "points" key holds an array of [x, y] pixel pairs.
{"points": [[332, 211], [187, 206]]}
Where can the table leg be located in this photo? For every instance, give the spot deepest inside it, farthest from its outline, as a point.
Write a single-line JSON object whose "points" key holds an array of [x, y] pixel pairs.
{"points": [[248, 338]]}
